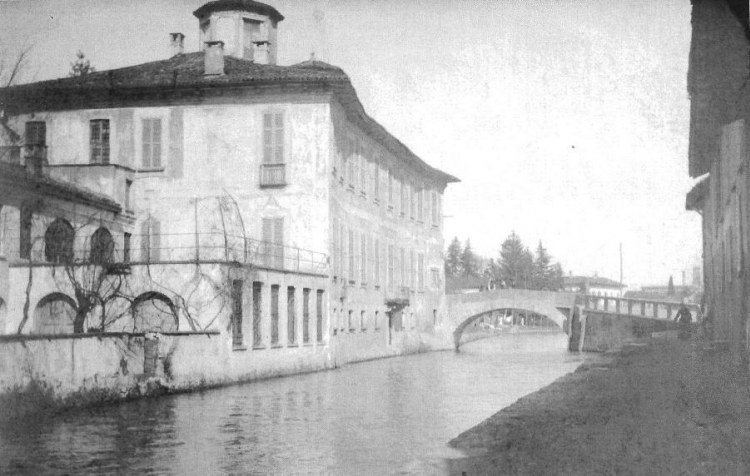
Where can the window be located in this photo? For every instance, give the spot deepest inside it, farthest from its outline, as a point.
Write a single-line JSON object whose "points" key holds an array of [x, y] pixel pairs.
{"points": [[376, 179], [291, 313], [273, 170], [336, 245], [151, 240], [391, 266], [128, 191], [306, 315], [435, 278], [319, 315], [412, 200], [273, 242], [126, 248], [420, 204], [151, 142], [251, 33], [58, 242], [402, 208], [274, 314], [390, 187], [363, 258], [99, 141], [257, 336], [401, 268], [420, 272], [25, 233], [410, 269], [237, 340], [376, 261], [36, 133], [102, 246], [362, 326], [351, 165], [351, 273]]}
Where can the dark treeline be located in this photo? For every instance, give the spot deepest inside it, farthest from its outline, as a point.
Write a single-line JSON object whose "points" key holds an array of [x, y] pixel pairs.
{"points": [[515, 267]]}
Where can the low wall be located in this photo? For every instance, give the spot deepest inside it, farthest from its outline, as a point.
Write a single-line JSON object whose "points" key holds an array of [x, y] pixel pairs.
{"points": [[602, 331]]}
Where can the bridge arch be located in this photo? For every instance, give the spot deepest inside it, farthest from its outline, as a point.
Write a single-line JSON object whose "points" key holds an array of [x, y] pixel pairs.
{"points": [[463, 309]]}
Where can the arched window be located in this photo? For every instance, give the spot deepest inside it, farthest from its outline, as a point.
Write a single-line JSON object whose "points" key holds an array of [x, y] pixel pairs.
{"points": [[58, 242], [54, 314], [102, 246], [154, 312]]}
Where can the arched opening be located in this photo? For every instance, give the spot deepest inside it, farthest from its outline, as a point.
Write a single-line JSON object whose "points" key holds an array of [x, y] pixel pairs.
{"points": [[154, 312], [492, 321], [54, 314], [102, 246], [58, 242]]}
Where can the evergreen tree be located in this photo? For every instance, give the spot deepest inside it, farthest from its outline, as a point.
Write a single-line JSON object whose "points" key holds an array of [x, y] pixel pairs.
{"points": [[556, 277], [542, 277], [469, 261], [670, 287], [453, 258], [515, 263], [81, 66]]}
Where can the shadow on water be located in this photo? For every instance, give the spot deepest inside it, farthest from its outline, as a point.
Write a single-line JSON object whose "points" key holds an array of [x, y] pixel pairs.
{"points": [[391, 416]]}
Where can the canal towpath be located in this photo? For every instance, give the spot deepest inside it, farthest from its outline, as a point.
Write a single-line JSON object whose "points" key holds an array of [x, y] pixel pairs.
{"points": [[661, 407]]}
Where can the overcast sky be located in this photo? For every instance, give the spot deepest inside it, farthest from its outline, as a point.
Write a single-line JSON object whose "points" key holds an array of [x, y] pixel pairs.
{"points": [[566, 120]]}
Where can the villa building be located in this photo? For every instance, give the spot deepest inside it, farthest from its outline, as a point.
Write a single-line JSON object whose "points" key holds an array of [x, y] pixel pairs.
{"points": [[216, 191]]}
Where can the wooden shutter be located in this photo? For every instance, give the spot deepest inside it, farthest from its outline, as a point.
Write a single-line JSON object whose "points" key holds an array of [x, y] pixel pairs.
{"points": [[267, 139], [279, 137]]}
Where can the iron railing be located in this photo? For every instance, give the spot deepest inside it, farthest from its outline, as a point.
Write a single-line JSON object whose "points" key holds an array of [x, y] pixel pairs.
{"points": [[638, 307], [174, 248]]}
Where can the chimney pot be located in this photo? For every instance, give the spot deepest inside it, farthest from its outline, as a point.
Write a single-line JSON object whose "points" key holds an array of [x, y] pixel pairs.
{"points": [[214, 58], [177, 43]]}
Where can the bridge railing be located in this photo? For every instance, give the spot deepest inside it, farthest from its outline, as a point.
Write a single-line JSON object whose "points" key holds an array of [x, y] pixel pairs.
{"points": [[638, 307]]}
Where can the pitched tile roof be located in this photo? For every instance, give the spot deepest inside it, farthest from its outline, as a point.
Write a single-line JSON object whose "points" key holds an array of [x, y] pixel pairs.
{"points": [[182, 75]]}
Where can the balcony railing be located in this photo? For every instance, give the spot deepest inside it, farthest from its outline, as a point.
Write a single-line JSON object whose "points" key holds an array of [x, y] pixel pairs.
{"points": [[272, 175], [182, 248]]}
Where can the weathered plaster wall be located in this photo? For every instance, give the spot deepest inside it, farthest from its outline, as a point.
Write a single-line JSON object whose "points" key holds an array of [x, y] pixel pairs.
{"points": [[604, 331]]}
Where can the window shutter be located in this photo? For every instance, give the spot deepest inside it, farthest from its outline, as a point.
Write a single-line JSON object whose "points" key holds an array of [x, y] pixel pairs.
{"points": [[146, 143], [156, 143], [267, 138], [279, 139], [278, 232]]}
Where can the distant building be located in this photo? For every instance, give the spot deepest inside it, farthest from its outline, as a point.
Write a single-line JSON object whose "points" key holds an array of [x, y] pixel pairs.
{"points": [[719, 92], [593, 285]]}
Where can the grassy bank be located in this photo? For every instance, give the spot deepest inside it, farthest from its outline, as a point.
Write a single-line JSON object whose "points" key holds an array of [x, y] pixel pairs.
{"points": [[662, 408]]}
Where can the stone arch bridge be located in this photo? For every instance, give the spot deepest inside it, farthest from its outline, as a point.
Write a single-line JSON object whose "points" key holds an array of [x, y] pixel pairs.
{"points": [[463, 309]]}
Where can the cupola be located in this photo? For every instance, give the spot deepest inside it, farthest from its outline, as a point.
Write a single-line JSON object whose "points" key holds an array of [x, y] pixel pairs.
{"points": [[246, 27]]}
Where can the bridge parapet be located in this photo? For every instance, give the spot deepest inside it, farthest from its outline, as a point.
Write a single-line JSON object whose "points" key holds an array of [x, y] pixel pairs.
{"points": [[665, 310]]}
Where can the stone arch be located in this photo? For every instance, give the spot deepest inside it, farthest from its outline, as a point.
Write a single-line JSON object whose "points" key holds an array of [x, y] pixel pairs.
{"points": [[54, 314], [154, 312], [102, 246], [58, 242], [461, 327]]}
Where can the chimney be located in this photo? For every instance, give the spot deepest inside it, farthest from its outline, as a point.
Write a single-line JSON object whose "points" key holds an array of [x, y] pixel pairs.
{"points": [[214, 58], [177, 43]]}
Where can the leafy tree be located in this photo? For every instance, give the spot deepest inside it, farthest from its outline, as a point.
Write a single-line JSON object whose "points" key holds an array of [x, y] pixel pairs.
{"points": [[515, 263], [469, 261], [556, 277], [453, 258], [81, 66]]}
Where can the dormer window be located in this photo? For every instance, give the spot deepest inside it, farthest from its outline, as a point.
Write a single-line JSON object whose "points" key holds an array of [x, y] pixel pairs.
{"points": [[251, 35]]}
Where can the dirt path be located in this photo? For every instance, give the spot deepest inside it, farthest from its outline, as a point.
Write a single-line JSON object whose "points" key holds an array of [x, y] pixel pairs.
{"points": [[661, 408]]}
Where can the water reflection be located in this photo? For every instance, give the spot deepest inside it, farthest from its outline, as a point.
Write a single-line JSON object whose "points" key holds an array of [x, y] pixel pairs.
{"points": [[391, 416]]}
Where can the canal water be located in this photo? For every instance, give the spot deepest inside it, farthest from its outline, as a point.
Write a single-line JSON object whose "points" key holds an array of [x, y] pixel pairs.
{"points": [[390, 416]]}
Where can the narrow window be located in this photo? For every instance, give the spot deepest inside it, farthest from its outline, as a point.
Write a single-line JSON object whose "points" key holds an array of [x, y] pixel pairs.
{"points": [[351, 167], [251, 34], [305, 315], [376, 320], [391, 280], [376, 179], [151, 240], [420, 204], [335, 247], [25, 233], [273, 242], [362, 326], [274, 314], [376, 261], [351, 272], [151, 142], [273, 170], [402, 268], [257, 316], [390, 187], [420, 272], [128, 198], [363, 258], [99, 140], [435, 209], [349, 320], [237, 340], [319, 315], [291, 313], [412, 200], [402, 208], [126, 248], [410, 270]]}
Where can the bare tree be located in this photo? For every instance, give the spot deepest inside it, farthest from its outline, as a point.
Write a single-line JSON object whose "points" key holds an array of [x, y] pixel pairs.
{"points": [[12, 65]]}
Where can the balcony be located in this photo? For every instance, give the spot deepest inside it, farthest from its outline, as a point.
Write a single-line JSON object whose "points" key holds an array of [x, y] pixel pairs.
{"points": [[178, 248], [272, 175]]}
